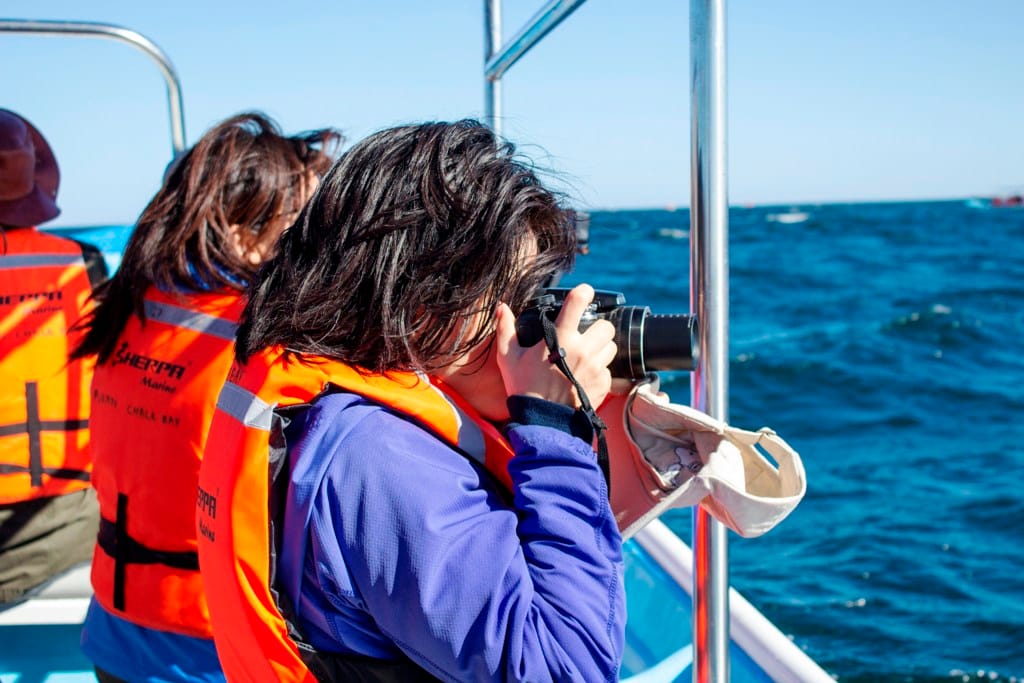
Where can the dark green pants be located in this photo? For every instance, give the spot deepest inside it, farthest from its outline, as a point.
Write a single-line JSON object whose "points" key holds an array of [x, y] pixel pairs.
{"points": [[41, 538]]}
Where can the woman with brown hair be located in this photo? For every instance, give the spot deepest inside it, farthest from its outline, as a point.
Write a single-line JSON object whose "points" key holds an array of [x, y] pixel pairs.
{"points": [[437, 509], [162, 332]]}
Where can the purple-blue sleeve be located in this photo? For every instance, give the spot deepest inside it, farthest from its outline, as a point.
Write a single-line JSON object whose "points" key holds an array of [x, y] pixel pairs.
{"points": [[407, 531]]}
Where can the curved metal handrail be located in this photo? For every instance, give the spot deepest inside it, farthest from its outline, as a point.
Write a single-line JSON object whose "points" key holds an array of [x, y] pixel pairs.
{"points": [[541, 24], [88, 29], [498, 57]]}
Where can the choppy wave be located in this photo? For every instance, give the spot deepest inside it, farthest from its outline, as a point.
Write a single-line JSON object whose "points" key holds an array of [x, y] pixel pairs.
{"points": [[884, 342]]}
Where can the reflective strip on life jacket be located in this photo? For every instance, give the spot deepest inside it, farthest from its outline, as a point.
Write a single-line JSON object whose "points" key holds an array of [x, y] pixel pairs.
{"points": [[154, 399], [39, 260], [245, 406], [191, 320], [44, 399]]}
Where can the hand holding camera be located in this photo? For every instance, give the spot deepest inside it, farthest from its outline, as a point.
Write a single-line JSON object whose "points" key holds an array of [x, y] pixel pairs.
{"points": [[588, 350], [644, 341]]}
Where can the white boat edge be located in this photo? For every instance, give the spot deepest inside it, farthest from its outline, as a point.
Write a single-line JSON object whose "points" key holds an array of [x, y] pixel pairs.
{"points": [[777, 655], [66, 599]]}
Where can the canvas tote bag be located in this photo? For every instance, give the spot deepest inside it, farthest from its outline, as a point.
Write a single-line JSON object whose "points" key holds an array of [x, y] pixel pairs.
{"points": [[664, 455]]}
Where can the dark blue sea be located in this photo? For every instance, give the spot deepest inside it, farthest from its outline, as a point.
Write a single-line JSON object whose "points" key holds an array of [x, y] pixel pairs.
{"points": [[885, 342]]}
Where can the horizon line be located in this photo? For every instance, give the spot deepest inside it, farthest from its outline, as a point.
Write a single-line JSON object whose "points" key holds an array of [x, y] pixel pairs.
{"points": [[664, 207]]}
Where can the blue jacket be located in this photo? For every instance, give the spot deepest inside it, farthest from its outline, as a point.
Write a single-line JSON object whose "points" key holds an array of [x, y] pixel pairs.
{"points": [[395, 543]]}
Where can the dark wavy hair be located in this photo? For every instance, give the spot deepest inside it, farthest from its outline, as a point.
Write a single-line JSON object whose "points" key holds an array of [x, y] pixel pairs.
{"points": [[242, 172], [411, 234]]}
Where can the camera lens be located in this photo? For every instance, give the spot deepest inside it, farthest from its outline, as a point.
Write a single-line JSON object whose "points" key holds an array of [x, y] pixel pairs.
{"points": [[671, 342], [646, 342], [649, 342]]}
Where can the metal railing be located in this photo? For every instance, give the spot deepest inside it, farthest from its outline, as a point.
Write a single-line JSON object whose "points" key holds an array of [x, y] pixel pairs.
{"points": [[709, 299], [709, 271], [87, 29], [498, 57]]}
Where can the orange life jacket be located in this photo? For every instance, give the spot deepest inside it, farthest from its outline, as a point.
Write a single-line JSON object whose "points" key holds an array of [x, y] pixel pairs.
{"points": [[233, 498], [153, 400], [44, 400]]}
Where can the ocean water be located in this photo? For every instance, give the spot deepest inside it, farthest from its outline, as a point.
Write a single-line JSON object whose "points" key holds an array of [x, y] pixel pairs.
{"points": [[883, 342]]}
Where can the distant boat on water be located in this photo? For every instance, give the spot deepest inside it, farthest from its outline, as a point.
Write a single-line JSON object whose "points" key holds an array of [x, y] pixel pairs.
{"points": [[1011, 201]]}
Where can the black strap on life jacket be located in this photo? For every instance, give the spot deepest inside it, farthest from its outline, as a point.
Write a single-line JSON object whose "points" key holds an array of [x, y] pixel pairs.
{"points": [[325, 666], [114, 540], [34, 427]]}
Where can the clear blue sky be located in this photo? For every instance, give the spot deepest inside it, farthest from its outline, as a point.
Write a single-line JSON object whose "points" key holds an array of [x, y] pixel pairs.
{"points": [[835, 100]]}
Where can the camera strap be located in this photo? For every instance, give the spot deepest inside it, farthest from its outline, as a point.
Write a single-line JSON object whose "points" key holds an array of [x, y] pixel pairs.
{"points": [[558, 358]]}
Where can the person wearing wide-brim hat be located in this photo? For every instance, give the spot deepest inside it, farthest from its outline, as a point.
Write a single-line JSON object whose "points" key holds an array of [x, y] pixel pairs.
{"points": [[48, 513]]}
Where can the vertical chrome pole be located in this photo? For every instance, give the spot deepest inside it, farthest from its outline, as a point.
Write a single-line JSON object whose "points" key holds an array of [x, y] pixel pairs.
{"points": [[709, 298], [492, 42]]}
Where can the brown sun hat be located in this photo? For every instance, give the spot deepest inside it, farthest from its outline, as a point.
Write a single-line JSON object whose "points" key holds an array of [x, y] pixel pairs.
{"points": [[28, 174]]}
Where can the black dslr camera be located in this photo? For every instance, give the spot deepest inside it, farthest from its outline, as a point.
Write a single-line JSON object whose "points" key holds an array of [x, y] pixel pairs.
{"points": [[645, 341]]}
